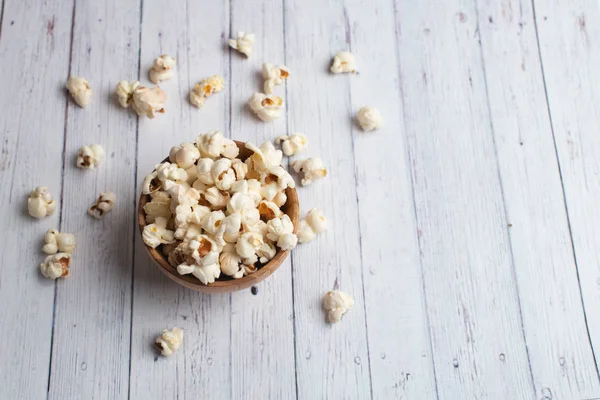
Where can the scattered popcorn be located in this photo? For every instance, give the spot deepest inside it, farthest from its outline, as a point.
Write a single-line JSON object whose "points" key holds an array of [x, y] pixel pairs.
{"points": [[206, 88], [312, 169], [104, 204], [162, 69], [185, 155], [292, 145], [157, 233], [267, 107], [169, 341], [125, 92], [369, 118], [149, 101], [313, 224], [243, 43], [337, 303], [343, 62], [40, 203], [56, 241], [56, 265], [274, 76], [80, 90], [90, 157]]}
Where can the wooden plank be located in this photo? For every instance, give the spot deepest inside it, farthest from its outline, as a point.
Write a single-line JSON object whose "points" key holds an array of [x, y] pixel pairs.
{"points": [[570, 51], [399, 368], [90, 357], [34, 63], [332, 361], [477, 338], [194, 34], [542, 250], [262, 324]]}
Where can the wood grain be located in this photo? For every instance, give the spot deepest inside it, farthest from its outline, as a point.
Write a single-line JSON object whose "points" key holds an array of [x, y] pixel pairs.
{"points": [[542, 251], [570, 51], [389, 245], [333, 358], [34, 65], [262, 324], [472, 299], [193, 32], [90, 354]]}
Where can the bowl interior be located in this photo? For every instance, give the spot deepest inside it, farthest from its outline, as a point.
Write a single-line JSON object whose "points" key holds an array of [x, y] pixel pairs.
{"points": [[224, 284]]}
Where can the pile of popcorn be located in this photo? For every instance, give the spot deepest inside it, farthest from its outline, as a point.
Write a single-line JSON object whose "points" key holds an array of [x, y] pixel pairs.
{"points": [[213, 213]]}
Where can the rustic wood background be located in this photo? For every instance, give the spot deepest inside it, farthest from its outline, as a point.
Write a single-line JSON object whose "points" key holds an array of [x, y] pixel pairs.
{"points": [[467, 229]]}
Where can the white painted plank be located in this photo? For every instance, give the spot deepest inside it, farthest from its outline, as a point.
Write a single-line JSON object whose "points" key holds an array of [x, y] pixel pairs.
{"points": [[332, 361], [34, 63], [465, 252], [570, 52], [262, 324], [90, 357], [562, 363], [194, 34], [399, 368]]}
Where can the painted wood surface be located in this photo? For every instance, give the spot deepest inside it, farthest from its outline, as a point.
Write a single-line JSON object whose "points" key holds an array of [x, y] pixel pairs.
{"points": [[465, 228]]}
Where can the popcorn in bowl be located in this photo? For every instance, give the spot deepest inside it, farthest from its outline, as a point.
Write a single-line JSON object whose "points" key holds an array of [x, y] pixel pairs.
{"points": [[226, 222]]}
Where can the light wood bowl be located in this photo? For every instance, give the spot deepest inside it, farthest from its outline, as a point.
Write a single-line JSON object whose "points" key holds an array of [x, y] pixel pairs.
{"points": [[224, 284]]}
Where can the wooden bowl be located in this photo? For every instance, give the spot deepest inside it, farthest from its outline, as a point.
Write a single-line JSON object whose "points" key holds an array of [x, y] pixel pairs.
{"points": [[224, 284]]}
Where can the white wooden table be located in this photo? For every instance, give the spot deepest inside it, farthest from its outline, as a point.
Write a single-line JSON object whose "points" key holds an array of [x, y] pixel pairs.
{"points": [[467, 228]]}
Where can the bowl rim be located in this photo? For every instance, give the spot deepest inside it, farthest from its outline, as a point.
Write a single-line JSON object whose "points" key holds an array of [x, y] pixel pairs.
{"points": [[291, 208]]}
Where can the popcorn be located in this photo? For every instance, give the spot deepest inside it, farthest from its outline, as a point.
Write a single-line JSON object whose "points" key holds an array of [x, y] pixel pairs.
{"points": [[231, 262], [266, 252], [267, 107], [56, 265], [343, 62], [274, 75], [80, 90], [170, 172], [251, 187], [40, 203], [205, 274], [159, 206], [169, 341], [248, 244], [243, 43], [185, 155], [313, 224], [162, 69], [56, 241], [369, 118], [292, 145], [231, 226], [312, 168], [212, 223], [90, 157], [125, 92], [149, 101], [204, 168], [268, 210], [243, 205], [222, 173], [216, 198], [213, 144], [206, 88], [337, 303], [264, 157], [143, 100], [157, 233], [151, 183], [280, 199], [281, 231], [103, 205]]}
